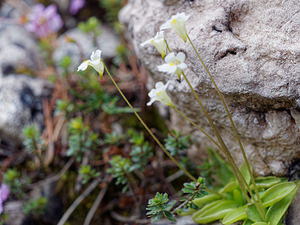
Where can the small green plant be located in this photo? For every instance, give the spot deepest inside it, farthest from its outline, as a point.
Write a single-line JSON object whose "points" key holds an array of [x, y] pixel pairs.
{"points": [[34, 143], [112, 8], [122, 55], [87, 173], [92, 25], [13, 179], [176, 143], [121, 169], [65, 63], [159, 207], [35, 206], [80, 139], [141, 150], [113, 139], [65, 107]]}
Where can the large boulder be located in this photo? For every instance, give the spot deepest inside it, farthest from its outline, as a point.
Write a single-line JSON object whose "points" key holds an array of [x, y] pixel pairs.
{"points": [[252, 49]]}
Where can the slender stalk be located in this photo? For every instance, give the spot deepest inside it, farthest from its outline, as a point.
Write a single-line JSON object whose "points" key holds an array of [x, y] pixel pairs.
{"points": [[195, 125], [231, 121], [147, 128], [167, 46]]}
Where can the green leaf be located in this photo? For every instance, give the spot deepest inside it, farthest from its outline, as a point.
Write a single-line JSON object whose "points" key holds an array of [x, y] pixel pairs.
{"points": [[200, 202], [266, 182], [245, 172], [169, 216], [185, 212], [229, 187], [238, 197], [234, 215], [248, 222], [259, 223], [277, 211], [216, 212], [253, 214], [223, 170], [276, 193]]}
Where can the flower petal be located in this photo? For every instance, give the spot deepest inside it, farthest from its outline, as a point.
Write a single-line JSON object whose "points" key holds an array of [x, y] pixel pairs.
{"points": [[83, 66]]}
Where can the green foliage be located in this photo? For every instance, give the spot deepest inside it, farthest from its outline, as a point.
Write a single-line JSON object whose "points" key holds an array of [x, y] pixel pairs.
{"points": [[65, 107], [122, 55], [113, 139], [222, 170], [13, 179], [92, 25], [141, 150], [175, 143], [32, 138], [207, 172], [112, 8], [80, 139], [160, 206], [230, 206], [35, 206], [120, 170], [87, 173], [194, 189]]}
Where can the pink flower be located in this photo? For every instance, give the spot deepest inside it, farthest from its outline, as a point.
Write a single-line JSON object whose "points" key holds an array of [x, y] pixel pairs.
{"points": [[76, 5], [44, 21], [4, 192]]}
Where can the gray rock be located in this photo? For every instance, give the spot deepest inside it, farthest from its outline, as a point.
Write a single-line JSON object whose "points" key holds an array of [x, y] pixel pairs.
{"points": [[108, 41], [16, 9], [21, 105], [252, 49], [17, 49]]}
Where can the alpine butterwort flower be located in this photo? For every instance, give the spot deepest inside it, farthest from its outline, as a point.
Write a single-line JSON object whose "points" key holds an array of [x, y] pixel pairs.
{"points": [[177, 23], [159, 94], [174, 64], [94, 62], [159, 43]]}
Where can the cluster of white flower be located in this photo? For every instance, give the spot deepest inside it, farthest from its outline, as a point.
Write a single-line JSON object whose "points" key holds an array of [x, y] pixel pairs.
{"points": [[174, 63]]}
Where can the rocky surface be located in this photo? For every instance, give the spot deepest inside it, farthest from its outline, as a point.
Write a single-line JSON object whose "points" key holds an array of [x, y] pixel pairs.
{"points": [[107, 41], [21, 105], [18, 50], [252, 49]]}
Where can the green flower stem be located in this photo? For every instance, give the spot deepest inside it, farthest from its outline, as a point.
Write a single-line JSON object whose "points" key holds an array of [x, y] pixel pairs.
{"points": [[195, 125], [167, 46], [148, 129], [236, 170], [231, 121], [224, 147]]}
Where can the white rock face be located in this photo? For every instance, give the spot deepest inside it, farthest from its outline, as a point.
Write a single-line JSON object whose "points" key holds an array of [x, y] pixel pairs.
{"points": [[252, 48]]}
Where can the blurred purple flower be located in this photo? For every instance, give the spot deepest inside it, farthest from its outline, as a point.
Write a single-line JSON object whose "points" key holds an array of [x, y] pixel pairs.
{"points": [[4, 192], [76, 5], [44, 21]]}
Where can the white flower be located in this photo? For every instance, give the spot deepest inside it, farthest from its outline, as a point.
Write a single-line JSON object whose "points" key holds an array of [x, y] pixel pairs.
{"points": [[174, 64], [94, 62], [159, 43], [177, 23], [159, 94]]}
